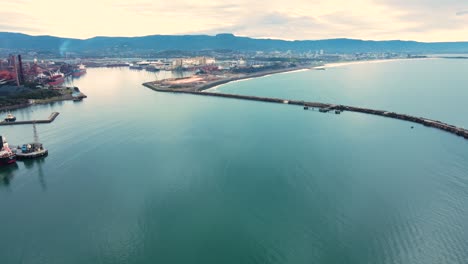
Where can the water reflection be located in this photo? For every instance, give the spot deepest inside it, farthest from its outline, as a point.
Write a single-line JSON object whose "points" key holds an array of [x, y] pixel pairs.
{"points": [[31, 164], [6, 174]]}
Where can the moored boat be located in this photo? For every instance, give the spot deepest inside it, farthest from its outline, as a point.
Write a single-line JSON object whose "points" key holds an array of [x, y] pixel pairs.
{"points": [[135, 67], [151, 68], [31, 151], [7, 156], [79, 71], [56, 79], [10, 118]]}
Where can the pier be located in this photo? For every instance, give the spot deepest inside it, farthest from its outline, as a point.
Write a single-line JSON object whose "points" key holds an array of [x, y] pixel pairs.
{"points": [[325, 107], [28, 122]]}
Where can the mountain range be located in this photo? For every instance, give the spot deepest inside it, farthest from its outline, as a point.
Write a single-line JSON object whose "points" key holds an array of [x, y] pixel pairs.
{"points": [[158, 43]]}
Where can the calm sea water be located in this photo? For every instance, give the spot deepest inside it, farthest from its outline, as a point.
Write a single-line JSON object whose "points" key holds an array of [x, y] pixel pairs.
{"points": [[135, 176], [433, 88]]}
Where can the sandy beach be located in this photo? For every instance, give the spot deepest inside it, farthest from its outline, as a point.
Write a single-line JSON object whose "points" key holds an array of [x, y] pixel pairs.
{"points": [[326, 66], [211, 83], [215, 88]]}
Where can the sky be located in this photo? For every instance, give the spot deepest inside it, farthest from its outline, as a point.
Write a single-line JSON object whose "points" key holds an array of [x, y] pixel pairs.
{"points": [[420, 20]]}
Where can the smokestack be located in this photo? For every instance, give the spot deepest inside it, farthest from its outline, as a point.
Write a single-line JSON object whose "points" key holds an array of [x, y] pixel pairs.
{"points": [[20, 70], [15, 68]]}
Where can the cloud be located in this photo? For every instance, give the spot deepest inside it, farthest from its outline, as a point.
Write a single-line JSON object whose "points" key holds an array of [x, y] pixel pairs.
{"points": [[23, 22], [422, 4], [271, 25], [427, 20], [13, 28]]}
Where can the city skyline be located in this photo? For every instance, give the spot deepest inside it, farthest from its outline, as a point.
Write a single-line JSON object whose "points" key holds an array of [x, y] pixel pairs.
{"points": [[419, 20]]}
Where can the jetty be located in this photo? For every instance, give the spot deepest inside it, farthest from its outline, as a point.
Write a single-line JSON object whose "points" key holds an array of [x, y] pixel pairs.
{"points": [[326, 107], [28, 122]]}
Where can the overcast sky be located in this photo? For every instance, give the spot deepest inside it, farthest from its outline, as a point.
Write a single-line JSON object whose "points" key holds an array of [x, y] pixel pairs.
{"points": [[422, 20]]}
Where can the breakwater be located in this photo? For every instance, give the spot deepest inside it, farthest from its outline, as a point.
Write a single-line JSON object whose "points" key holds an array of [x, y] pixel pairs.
{"points": [[27, 122], [325, 107]]}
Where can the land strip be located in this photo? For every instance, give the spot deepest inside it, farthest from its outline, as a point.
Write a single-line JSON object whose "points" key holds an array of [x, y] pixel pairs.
{"points": [[50, 119], [324, 107]]}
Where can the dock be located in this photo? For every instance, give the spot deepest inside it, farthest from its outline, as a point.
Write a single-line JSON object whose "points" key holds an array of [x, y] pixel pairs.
{"points": [[28, 122], [326, 107]]}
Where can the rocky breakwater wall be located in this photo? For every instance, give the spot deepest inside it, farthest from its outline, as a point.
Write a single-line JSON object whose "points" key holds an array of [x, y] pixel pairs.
{"points": [[420, 120], [27, 122]]}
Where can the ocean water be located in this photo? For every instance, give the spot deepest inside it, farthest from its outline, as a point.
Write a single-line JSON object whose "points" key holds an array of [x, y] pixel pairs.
{"points": [[136, 176], [432, 88]]}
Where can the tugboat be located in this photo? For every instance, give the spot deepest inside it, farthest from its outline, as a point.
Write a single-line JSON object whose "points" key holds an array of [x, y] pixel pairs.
{"points": [[7, 156], [10, 118], [31, 150]]}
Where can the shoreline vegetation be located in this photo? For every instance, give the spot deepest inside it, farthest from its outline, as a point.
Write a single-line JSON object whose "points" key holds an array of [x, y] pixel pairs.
{"points": [[24, 100], [198, 85]]}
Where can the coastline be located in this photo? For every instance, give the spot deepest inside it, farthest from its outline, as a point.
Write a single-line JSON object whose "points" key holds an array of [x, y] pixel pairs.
{"points": [[200, 83], [327, 107], [214, 86], [195, 89], [265, 74], [67, 97]]}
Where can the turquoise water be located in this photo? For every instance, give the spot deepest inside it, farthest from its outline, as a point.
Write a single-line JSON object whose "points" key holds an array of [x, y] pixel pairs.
{"points": [[135, 176], [433, 88]]}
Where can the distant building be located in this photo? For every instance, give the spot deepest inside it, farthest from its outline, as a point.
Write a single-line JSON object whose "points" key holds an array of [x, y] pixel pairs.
{"points": [[177, 63], [191, 62]]}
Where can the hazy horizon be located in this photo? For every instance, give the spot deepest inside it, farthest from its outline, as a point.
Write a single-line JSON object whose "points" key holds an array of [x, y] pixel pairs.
{"points": [[418, 20], [213, 35]]}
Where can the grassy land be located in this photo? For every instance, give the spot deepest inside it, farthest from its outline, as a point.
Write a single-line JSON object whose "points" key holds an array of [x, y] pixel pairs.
{"points": [[23, 98]]}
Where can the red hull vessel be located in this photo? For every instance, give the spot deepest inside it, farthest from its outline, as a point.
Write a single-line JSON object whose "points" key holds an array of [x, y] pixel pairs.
{"points": [[7, 160], [81, 70], [7, 157], [56, 80]]}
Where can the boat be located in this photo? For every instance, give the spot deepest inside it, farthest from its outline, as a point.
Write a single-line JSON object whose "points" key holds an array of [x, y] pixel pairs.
{"points": [[31, 151], [56, 79], [114, 65], [7, 156], [79, 71], [151, 68], [136, 67], [10, 118]]}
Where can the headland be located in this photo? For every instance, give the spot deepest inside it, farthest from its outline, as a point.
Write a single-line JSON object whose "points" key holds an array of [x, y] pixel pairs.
{"points": [[202, 82], [198, 84]]}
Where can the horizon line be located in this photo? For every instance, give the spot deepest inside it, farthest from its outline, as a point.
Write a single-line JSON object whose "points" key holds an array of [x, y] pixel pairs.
{"points": [[234, 35]]}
